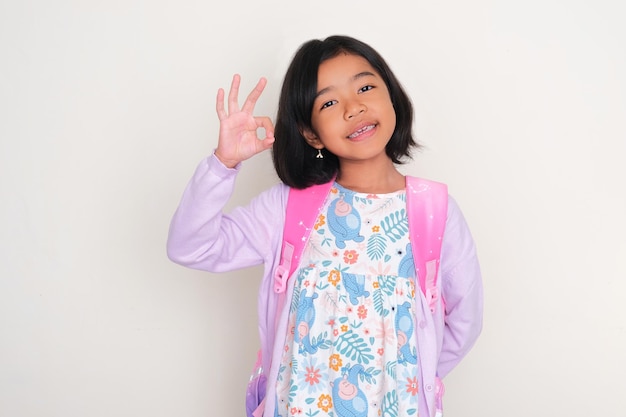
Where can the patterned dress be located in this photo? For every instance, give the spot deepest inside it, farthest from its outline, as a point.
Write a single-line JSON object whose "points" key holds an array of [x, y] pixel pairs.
{"points": [[350, 349]]}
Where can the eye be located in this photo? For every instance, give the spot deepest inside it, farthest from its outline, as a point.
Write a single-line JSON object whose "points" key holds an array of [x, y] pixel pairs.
{"points": [[327, 104], [365, 88]]}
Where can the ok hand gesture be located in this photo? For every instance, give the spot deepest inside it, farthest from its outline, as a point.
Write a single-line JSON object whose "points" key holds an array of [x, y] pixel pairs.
{"points": [[238, 137]]}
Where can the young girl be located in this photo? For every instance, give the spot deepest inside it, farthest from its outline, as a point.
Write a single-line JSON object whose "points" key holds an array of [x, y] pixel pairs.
{"points": [[356, 337]]}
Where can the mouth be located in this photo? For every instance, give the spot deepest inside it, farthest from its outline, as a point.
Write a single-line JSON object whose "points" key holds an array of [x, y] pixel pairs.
{"points": [[361, 131]]}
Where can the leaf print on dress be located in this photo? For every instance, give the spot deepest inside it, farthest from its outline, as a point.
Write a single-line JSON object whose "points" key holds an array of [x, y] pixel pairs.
{"points": [[385, 288], [379, 303], [390, 405], [396, 225], [376, 245], [354, 347], [387, 284]]}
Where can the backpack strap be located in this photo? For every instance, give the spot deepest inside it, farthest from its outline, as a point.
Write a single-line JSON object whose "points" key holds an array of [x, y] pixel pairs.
{"points": [[303, 207], [427, 205]]}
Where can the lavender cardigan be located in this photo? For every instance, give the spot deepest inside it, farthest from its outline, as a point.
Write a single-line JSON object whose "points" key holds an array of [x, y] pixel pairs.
{"points": [[202, 237]]}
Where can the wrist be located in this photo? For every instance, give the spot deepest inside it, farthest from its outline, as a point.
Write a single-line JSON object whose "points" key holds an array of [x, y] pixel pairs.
{"points": [[228, 163]]}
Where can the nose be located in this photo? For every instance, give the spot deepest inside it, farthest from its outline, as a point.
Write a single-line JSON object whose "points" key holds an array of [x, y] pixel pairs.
{"points": [[354, 108]]}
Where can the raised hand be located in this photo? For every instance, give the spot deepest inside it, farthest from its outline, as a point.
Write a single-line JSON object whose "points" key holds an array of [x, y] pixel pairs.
{"points": [[238, 137]]}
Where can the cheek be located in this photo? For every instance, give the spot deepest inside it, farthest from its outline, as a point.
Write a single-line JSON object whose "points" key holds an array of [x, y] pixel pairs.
{"points": [[323, 126], [392, 118]]}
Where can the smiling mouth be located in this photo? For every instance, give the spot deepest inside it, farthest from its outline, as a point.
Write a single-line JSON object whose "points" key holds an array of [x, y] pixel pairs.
{"points": [[361, 131]]}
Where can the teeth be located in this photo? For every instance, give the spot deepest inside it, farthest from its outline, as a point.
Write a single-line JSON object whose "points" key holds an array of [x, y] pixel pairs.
{"points": [[363, 129]]}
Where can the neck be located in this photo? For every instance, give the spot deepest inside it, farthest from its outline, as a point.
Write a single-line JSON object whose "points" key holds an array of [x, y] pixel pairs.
{"points": [[377, 178]]}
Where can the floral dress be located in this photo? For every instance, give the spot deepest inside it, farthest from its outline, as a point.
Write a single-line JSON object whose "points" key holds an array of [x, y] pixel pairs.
{"points": [[350, 348]]}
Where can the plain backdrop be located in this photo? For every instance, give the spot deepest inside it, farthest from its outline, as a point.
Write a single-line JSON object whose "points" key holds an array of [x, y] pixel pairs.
{"points": [[106, 108]]}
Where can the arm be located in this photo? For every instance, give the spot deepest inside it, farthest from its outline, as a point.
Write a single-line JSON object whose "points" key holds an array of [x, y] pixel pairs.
{"points": [[462, 291], [202, 237]]}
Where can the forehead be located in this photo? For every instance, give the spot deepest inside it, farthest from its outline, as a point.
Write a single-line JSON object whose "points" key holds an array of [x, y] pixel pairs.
{"points": [[343, 69]]}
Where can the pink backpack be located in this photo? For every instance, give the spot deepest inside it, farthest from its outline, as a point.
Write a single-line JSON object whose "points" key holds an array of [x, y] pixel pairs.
{"points": [[427, 206]]}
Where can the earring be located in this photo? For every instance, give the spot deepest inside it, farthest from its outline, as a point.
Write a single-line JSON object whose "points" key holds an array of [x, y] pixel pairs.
{"points": [[319, 154]]}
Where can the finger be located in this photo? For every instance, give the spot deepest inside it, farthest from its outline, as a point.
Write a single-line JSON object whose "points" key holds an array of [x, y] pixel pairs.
{"points": [[266, 143], [248, 105], [265, 123], [233, 94], [219, 105]]}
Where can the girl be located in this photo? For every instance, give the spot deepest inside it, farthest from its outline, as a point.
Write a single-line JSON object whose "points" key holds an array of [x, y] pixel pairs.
{"points": [[357, 339]]}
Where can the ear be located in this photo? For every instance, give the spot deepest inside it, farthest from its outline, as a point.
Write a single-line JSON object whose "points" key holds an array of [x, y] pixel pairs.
{"points": [[312, 139]]}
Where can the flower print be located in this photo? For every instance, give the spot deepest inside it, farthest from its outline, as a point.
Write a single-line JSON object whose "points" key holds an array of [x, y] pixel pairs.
{"points": [[335, 253], [331, 322], [335, 332], [306, 283], [362, 312], [372, 196], [386, 332], [334, 277], [321, 221], [335, 362], [382, 269], [411, 386], [344, 328], [334, 190], [375, 284], [380, 351], [350, 256], [310, 374], [325, 402], [295, 411], [375, 229]]}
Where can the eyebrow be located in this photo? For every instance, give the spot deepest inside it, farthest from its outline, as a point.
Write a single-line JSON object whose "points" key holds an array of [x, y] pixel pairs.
{"points": [[354, 78]]}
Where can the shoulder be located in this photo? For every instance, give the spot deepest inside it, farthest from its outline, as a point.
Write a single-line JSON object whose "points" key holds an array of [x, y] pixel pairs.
{"points": [[458, 248], [270, 204]]}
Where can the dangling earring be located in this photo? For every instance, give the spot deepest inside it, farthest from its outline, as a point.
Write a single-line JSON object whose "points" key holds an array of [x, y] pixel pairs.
{"points": [[319, 154]]}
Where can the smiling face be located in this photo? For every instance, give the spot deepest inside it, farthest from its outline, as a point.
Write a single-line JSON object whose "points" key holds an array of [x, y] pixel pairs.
{"points": [[353, 116]]}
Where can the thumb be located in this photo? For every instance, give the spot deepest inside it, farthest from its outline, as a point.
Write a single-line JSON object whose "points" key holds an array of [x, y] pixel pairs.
{"points": [[267, 142]]}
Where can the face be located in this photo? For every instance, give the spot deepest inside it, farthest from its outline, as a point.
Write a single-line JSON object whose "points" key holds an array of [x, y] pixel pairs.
{"points": [[353, 116]]}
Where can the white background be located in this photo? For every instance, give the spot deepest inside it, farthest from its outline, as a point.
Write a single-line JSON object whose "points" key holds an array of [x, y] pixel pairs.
{"points": [[106, 107]]}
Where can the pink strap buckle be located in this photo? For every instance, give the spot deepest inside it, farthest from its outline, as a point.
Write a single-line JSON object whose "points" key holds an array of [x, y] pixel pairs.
{"points": [[282, 272]]}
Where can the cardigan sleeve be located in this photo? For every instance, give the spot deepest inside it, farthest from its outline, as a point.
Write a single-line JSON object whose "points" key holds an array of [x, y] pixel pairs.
{"points": [[462, 291], [201, 236]]}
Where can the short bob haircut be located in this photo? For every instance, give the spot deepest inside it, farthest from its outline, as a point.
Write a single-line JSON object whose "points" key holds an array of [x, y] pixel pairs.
{"points": [[294, 159]]}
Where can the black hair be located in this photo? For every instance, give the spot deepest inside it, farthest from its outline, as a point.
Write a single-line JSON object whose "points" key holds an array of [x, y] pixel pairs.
{"points": [[294, 159]]}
